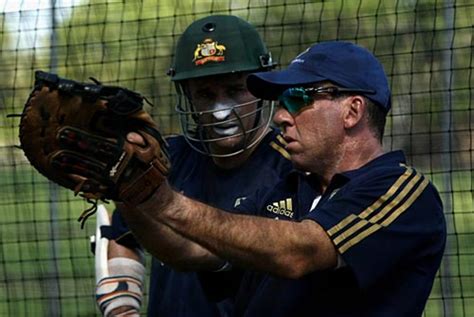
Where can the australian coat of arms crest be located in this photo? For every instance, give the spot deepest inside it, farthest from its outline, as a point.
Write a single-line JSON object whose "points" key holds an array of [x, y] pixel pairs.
{"points": [[208, 51]]}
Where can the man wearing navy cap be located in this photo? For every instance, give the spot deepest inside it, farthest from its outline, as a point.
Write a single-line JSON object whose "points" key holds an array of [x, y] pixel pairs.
{"points": [[369, 242]]}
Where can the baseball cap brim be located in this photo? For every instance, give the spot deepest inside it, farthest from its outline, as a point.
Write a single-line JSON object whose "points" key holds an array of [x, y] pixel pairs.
{"points": [[270, 85]]}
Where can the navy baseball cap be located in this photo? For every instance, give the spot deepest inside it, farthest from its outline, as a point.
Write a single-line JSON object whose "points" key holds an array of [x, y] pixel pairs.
{"points": [[343, 63]]}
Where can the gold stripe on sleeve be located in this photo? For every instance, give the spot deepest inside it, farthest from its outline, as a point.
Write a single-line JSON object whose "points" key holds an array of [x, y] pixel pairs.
{"points": [[407, 204], [343, 236], [282, 141], [394, 214], [344, 222], [280, 149], [350, 231], [397, 199], [369, 210]]}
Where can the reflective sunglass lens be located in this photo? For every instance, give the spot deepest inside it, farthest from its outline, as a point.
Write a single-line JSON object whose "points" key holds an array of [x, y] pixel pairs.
{"points": [[293, 99]]}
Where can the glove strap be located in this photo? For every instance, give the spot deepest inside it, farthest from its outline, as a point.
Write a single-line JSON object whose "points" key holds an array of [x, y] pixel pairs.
{"points": [[144, 185]]}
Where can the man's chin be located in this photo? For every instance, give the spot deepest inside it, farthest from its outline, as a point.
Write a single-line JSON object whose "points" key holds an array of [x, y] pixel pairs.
{"points": [[298, 163], [228, 145]]}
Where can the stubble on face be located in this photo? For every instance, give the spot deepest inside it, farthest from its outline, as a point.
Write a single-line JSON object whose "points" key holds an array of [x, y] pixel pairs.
{"points": [[320, 135]]}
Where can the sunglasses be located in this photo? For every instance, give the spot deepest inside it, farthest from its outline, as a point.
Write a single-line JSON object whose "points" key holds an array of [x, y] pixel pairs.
{"points": [[293, 99]]}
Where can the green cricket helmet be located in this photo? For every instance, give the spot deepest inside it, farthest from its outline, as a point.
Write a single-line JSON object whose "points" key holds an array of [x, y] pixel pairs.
{"points": [[218, 45]]}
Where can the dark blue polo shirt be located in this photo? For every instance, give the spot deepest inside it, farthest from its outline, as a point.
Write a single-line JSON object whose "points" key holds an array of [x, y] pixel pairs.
{"points": [[174, 293], [386, 221]]}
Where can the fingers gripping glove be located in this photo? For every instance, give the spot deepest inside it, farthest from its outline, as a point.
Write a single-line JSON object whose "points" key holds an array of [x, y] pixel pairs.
{"points": [[119, 280], [75, 135]]}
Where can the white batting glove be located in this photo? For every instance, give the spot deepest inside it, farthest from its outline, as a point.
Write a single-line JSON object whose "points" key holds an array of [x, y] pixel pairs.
{"points": [[119, 290]]}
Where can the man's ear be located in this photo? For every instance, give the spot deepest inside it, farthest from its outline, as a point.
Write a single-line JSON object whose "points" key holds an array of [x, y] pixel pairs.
{"points": [[354, 111]]}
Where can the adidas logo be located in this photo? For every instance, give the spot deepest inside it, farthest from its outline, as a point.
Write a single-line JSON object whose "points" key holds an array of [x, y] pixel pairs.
{"points": [[283, 207], [238, 201]]}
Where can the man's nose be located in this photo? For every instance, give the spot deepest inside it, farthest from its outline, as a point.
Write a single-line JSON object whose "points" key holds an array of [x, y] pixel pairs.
{"points": [[282, 117], [222, 110]]}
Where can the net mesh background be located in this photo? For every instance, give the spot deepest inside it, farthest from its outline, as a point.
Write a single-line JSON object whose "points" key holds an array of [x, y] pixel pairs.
{"points": [[46, 267]]}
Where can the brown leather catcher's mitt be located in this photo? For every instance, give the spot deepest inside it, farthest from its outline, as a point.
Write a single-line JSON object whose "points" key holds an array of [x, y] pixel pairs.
{"points": [[75, 134]]}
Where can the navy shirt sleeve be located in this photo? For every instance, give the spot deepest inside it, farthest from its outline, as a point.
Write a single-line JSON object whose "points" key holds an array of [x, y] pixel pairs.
{"points": [[387, 216], [120, 232]]}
